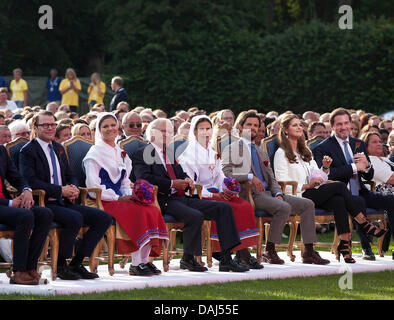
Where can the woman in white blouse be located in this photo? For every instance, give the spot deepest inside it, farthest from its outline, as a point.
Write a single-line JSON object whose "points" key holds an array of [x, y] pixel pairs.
{"points": [[201, 164], [141, 229], [383, 167], [293, 161]]}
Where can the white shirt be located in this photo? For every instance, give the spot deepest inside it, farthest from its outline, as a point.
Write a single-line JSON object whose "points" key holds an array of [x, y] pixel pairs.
{"points": [[45, 147], [11, 105], [248, 144], [342, 145], [284, 170], [382, 171], [159, 151]]}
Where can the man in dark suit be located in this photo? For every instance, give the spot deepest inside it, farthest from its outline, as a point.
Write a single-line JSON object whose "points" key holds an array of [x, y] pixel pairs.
{"points": [[44, 164], [350, 164], [152, 163], [21, 214], [120, 93]]}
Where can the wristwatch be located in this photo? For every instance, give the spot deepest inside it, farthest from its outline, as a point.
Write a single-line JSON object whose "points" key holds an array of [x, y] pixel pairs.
{"points": [[28, 189]]}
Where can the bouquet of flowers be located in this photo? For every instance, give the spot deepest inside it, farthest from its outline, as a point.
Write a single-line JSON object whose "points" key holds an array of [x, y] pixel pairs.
{"points": [[318, 174], [143, 192], [231, 186]]}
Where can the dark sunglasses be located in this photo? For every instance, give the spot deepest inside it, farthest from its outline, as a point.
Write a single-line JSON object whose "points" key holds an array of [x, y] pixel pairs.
{"points": [[132, 125]]}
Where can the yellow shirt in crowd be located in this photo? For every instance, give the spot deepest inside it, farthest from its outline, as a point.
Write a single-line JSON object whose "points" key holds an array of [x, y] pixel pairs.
{"points": [[70, 97], [93, 95], [17, 89]]}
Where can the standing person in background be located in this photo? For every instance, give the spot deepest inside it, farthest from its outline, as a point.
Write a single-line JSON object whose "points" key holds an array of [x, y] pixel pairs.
{"points": [[120, 93], [69, 89], [53, 83], [96, 90], [18, 88]]}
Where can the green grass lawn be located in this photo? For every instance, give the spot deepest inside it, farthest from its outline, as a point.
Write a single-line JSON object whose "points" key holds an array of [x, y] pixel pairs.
{"points": [[366, 286]]}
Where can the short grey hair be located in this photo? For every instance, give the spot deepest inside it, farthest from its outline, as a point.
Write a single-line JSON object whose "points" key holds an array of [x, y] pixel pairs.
{"points": [[153, 125], [129, 114], [17, 126]]}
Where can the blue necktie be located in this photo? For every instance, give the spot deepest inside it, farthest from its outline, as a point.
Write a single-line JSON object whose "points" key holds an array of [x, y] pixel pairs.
{"points": [[354, 187], [256, 165], [54, 167]]}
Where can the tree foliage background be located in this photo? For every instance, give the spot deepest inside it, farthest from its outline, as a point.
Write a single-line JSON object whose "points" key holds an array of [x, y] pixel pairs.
{"points": [[264, 54]]}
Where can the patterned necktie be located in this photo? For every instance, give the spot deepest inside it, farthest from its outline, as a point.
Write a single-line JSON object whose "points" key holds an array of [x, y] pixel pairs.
{"points": [[256, 165], [54, 167], [171, 172], [354, 186]]}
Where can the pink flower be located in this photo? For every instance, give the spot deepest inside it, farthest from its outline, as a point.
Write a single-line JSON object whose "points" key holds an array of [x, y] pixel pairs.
{"points": [[123, 154], [358, 144]]}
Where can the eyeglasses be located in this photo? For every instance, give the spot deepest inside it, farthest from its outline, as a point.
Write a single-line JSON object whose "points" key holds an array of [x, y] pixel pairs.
{"points": [[137, 125], [47, 126]]}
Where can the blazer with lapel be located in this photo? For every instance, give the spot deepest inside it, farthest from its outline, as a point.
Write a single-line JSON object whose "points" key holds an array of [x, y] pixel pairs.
{"points": [[340, 170], [154, 171], [9, 171], [34, 167], [237, 163]]}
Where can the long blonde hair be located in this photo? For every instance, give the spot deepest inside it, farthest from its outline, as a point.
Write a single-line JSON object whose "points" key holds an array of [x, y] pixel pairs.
{"points": [[284, 142]]}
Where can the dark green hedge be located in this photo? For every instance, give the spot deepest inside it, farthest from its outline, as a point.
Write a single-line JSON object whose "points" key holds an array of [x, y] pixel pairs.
{"points": [[316, 66]]}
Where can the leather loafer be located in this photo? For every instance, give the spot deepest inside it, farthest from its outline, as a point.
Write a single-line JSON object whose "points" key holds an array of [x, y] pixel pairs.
{"points": [[232, 266], [314, 258], [368, 254], [83, 272], [37, 276], [153, 268], [250, 263], [65, 273], [20, 277], [392, 253], [140, 270], [272, 257], [192, 265]]}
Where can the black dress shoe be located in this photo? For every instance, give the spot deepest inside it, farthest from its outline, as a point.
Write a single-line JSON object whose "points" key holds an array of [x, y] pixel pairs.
{"points": [[140, 270], [65, 273], [392, 253], [192, 265], [250, 263], [153, 268], [83, 272], [368, 254], [231, 265]]}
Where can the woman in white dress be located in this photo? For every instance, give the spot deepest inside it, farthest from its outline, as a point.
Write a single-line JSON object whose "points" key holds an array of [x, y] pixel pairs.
{"points": [[202, 164]]}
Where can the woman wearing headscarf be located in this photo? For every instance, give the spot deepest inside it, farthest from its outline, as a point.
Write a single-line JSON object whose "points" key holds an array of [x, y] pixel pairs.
{"points": [[202, 164], [141, 229]]}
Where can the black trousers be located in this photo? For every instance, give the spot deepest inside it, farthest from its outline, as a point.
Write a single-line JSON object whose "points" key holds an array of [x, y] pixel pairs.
{"points": [[27, 249], [72, 217], [336, 197], [192, 212]]}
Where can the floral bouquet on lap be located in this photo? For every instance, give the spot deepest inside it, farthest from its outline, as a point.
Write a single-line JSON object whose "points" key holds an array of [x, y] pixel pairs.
{"points": [[143, 192], [231, 187]]}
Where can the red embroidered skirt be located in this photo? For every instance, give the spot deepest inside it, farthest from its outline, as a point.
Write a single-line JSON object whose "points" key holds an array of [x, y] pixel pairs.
{"points": [[245, 221], [137, 225]]}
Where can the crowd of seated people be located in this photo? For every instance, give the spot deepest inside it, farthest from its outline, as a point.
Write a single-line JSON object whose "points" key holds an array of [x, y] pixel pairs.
{"points": [[342, 156]]}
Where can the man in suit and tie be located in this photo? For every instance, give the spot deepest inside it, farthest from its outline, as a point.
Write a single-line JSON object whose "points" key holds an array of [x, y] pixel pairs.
{"points": [[350, 164], [245, 161], [152, 163], [120, 93], [21, 214], [44, 164]]}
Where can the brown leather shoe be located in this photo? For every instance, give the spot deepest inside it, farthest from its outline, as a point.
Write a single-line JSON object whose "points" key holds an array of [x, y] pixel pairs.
{"points": [[272, 257], [37, 276], [22, 278], [314, 257]]}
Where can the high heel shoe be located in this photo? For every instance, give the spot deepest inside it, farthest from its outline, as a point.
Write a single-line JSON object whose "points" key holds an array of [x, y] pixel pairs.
{"points": [[370, 229], [345, 248]]}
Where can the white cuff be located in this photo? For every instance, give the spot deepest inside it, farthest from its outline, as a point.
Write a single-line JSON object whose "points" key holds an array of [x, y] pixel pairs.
{"points": [[354, 168], [250, 176]]}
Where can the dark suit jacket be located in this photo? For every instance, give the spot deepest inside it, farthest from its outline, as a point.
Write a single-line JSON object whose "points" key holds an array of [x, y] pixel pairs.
{"points": [[339, 169], [154, 171], [8, 171], [119, 96], [34, 166]]}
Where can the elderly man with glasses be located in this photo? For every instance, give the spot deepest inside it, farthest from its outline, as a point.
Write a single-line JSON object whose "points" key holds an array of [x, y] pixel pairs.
{"points": [[131, 125], [19, 129]]}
